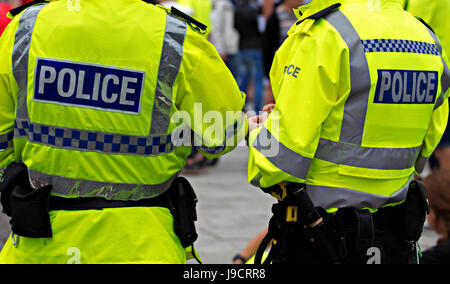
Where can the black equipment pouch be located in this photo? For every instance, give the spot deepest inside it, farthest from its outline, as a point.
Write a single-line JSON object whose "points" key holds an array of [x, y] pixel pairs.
{"points": [[27, 207], [357, 232], [183, 202], [30, 216], [412, 213]]}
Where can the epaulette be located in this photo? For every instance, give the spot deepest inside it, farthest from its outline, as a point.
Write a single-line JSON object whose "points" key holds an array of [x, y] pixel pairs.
{"points": [[150, 2], [425, 24], [406, 5], [321, 13], [188, 19], [16, 11]]}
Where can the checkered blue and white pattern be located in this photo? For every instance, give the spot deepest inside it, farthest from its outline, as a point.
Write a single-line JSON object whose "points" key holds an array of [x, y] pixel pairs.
{"points": [[399, 45], [85, 140], [6, 141]]}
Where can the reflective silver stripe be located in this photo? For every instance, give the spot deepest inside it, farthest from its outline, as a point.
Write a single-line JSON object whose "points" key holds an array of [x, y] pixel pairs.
{"points": [[338, 197], [420, 164], [84, 188], [93, 141], [356, 105], [6, 141], [171, 56], [445, 78], [283, 158], [20, 56], [366, 157]]}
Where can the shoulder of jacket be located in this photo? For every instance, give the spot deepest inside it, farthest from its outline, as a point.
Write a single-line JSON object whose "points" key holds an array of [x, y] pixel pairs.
{"points": [[316, 15], [196, 25], [16, 11]]}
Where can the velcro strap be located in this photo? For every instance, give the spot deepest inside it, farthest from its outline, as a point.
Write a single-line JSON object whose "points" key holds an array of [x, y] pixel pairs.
{"points": [[365, 231], [99, 203]]}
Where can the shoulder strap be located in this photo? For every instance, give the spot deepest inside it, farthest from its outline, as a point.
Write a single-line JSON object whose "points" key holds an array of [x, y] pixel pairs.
{"points": [[406, 5], [16, 11], [321, 13], [426, 24], [174, 11], [188, 18]]}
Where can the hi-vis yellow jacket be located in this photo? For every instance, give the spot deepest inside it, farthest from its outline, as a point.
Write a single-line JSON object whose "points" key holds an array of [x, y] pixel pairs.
{"points": [[99, 98], [360, 90]]}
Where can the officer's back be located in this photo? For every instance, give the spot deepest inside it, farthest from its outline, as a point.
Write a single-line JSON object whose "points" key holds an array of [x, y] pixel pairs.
{"points": [[360, 92], [374, 71], [89, 90]]}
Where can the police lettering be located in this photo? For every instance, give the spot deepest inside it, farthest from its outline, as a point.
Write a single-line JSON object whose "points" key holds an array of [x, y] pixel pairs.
{"points": [[88, 85], [406, 87], [292, 70]]}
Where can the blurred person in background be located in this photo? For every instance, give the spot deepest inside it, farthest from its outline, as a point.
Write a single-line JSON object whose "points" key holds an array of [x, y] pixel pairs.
{"points": [[249, 61], [435, 14], [438, 187], [224, 36], [277, 27]]}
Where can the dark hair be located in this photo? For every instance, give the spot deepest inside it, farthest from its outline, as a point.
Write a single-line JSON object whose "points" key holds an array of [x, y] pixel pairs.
{"points": [[437, 185]]}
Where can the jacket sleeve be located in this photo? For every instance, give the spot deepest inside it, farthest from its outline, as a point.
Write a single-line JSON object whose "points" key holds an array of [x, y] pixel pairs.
{"points": [[438, 122], [8, 87], [306, 88], [211, 99]]}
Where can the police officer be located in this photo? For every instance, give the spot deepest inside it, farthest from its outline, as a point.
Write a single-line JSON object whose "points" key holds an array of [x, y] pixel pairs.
{"points": [[90, 93], [361, 92]]}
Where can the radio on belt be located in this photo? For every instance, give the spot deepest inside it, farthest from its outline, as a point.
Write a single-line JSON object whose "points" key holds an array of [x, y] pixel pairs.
{"points": [[88, 85]]}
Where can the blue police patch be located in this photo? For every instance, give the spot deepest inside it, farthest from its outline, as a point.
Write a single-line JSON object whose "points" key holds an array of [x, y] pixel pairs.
{"points": [[88, 85], [406, 87]]}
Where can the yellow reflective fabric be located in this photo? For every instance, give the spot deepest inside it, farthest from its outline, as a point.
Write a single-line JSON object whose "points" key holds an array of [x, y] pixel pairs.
{"points": [[120, 235], [334, 130]]}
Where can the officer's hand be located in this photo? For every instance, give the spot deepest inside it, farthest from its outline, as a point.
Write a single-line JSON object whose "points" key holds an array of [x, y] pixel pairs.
{"points": [[268, 108], [254, 122], [224, 57]]}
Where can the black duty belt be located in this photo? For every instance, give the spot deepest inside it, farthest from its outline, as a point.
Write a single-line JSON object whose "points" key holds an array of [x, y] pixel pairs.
{"points": [[98, 203]]}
